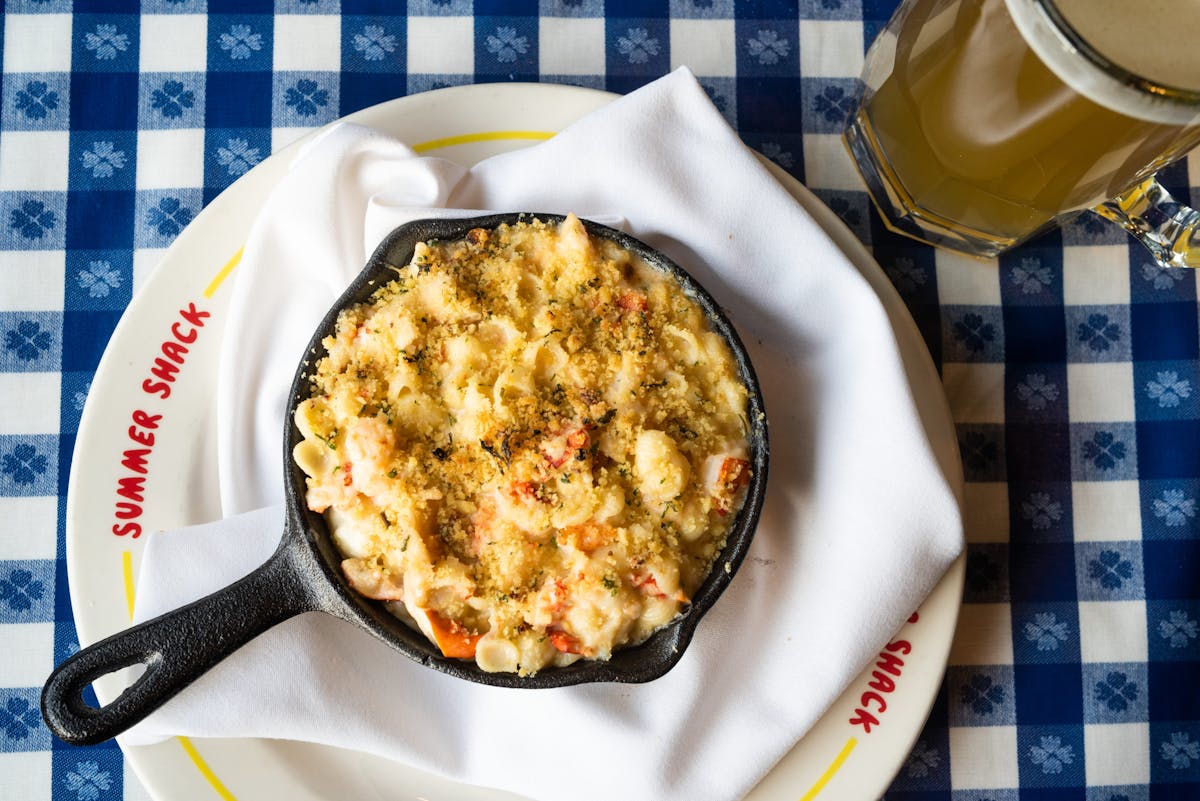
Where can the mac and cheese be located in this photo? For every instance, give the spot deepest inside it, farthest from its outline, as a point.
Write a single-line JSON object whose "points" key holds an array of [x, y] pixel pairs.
{"points": [[530, 445]]}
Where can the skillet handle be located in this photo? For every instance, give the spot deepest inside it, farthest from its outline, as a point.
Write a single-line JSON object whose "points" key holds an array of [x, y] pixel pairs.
{"points": [[176, 648]]}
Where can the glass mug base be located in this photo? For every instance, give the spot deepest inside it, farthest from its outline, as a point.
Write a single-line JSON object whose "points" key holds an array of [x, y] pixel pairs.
{"points": [[900, 211]]}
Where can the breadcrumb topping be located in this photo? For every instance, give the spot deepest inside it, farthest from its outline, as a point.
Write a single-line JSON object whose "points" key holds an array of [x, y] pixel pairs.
{"points": [[529, 443]]}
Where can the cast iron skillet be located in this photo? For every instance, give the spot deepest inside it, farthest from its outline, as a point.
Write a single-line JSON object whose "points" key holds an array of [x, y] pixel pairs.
{"points": [[304, 574]]}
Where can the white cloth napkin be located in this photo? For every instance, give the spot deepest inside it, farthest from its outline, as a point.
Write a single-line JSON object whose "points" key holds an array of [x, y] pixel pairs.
{"points": [[858, 527]]}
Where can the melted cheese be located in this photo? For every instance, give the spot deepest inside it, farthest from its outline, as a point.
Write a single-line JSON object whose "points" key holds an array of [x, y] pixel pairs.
{"points": [[514, 440]]}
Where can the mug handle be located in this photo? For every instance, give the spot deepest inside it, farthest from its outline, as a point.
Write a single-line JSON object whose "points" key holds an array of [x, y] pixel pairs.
{"points": [[1170, 230]]}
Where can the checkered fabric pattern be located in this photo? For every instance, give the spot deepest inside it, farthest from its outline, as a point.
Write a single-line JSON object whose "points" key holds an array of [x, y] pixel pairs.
{"points": [[1072, 364]]}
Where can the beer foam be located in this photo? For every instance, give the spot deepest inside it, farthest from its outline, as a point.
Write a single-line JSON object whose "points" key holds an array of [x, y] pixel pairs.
{"points": [[1106, 25], [1154, 39]]}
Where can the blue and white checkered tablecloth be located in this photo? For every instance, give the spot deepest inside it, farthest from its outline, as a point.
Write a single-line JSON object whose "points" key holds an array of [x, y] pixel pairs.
{"points": [[1072, 364]]}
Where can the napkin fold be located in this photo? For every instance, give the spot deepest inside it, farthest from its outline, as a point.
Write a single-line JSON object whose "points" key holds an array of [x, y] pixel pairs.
{"points": [[858, 526]]}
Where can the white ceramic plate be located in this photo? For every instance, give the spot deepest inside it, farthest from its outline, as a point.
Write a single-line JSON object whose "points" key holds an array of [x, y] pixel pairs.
{"points": [[836, 760]]}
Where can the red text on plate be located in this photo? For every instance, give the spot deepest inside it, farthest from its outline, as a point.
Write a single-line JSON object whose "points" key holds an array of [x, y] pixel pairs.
{"points": [[131, 488], [174, 349], [888, 667]]}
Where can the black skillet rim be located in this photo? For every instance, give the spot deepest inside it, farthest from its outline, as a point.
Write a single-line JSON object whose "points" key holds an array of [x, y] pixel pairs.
{"points": [[641, 663]]}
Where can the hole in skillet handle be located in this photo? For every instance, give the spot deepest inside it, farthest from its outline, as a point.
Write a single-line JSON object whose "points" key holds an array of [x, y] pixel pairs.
{"points": [[641, 663]]}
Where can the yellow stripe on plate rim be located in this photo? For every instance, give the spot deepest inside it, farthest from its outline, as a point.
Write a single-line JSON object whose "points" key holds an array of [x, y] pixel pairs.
{"points": [[481, 136], [204, 769], [127, 574], [224, 272], [830, 771]]}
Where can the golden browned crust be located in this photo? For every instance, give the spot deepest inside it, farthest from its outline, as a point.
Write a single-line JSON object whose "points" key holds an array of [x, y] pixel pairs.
{"points": [[529, 443]]}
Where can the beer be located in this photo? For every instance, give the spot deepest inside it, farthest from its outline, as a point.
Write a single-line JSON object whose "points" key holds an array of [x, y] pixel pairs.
{"points": [[985, 137]]}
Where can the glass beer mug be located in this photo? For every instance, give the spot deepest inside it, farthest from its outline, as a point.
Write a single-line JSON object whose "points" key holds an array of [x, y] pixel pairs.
{"points": [[982, 123]]}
